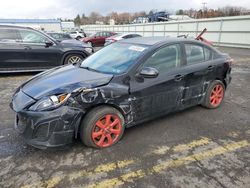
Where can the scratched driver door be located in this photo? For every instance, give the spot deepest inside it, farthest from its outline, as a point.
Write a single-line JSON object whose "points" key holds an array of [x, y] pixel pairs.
{"points": [[160, 95]]}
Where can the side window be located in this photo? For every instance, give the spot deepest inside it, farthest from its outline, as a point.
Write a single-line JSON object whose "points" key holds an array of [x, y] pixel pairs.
{"points": [[208, 54], [98, 34], [109, 34], [135, 35], [165, 58], [195, 54], [127, 36], [102, 34], [9, 35], [32, 37]]}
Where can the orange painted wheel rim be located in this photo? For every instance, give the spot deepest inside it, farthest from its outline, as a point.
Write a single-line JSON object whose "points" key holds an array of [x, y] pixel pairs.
{"points": [[107, 130]]}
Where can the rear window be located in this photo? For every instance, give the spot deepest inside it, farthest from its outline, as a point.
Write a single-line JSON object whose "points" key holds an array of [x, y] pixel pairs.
{"points": [[208, 54], [9, 35], [197, 54], [194, 54]]}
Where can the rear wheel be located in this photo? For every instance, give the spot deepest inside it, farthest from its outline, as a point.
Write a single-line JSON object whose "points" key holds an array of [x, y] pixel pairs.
{"points": [[78, 37], [214, 95], [102, 127], [73, 59]]}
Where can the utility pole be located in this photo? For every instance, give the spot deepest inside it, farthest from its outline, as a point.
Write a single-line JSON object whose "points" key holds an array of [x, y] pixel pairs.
{"points": [[204, 8]]}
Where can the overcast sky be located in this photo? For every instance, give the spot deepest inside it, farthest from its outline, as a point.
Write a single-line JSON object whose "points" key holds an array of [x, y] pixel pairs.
{"points": [[70, 8]]}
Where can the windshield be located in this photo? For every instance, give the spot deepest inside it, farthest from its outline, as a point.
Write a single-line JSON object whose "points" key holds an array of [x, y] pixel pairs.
{"points": [[114, 59]]}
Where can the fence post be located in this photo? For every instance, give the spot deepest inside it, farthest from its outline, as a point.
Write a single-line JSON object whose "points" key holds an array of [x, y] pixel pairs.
{"points": [[143, 30], [178, 28], [220, 32], [153, 30], [164, 29], [197, 27]]}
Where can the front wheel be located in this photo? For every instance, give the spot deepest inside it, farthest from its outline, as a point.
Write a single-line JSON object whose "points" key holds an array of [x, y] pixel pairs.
{"points": [[73, 59], [102, 127], [214, 95], [78, 37]]}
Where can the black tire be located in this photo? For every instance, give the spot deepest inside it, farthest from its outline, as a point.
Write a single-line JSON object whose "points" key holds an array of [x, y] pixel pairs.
{"points": [[89, 126], [208, 102], [78, 37], [67, 60]]}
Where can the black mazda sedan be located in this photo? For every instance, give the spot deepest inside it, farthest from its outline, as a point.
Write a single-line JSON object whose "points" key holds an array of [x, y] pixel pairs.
{"points": [[121, 85]]}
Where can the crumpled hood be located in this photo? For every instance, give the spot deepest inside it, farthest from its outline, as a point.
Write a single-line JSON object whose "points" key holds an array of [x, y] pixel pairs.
{"points": [[63, 79]]}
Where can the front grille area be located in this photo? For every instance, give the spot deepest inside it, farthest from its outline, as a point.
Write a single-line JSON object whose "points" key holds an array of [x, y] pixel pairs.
{"points": [[43, 131]]}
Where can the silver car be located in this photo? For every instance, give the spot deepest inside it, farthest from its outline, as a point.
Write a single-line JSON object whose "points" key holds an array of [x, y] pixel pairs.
{"points": [[120, 36]]}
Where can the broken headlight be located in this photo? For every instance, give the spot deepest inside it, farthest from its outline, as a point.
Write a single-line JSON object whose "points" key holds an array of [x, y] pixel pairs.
{"points": [[49, 103]]}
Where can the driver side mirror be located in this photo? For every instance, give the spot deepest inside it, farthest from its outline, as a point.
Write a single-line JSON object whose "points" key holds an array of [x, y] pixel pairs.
{"points": [[48, 44], [149, 72]]}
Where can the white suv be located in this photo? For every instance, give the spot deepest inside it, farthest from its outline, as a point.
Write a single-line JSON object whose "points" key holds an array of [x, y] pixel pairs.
{"points": [[77, 34]]}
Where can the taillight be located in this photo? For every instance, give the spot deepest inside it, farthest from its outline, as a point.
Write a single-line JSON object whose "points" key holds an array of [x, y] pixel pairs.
{"points": [[230, 61]]}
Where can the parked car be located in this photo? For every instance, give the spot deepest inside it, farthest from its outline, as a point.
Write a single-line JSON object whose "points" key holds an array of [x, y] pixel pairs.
{"points": [[97, 39], [60, 36], [77, 34], [120, 36], [25, 49], [66, 38], [121, 85], [140, 19], [158, 16]]}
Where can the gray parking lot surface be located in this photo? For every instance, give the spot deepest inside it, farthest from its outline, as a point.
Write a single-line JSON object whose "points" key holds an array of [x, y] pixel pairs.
{"points": [[193, 148]]}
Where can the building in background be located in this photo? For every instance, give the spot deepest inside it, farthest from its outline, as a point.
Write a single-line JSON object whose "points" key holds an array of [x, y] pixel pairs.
{"points": [[141, 19], [67, 26], [40, 24], [111, 21]]}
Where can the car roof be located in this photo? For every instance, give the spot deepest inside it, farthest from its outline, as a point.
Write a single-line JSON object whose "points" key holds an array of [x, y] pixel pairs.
{"points": [[127, 34], [120, 35], [56, 33], [151, 41], [14, 26]]}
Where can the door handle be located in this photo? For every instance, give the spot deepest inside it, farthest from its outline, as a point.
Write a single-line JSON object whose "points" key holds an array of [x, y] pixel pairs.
{"points": [[27, 48], [210, 68], [178, 77]]}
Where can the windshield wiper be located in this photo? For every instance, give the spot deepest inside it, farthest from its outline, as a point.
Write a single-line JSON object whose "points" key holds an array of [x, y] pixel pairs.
{"points": [[90, 69]]}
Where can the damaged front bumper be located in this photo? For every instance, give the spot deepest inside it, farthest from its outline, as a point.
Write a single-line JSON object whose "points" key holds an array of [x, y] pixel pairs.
{"points": [[48, 129], [45, 129]]}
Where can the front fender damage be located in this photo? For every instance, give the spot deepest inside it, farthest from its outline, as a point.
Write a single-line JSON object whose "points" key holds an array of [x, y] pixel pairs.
{"points": [[114, 95]]}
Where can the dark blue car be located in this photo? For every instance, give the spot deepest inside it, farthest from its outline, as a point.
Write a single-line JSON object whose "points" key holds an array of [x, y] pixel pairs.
{"points": [[158, 17]]}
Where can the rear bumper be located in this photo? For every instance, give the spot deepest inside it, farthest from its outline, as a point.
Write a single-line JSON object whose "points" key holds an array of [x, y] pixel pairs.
{"points": [[48, 129], [228, 78]]}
